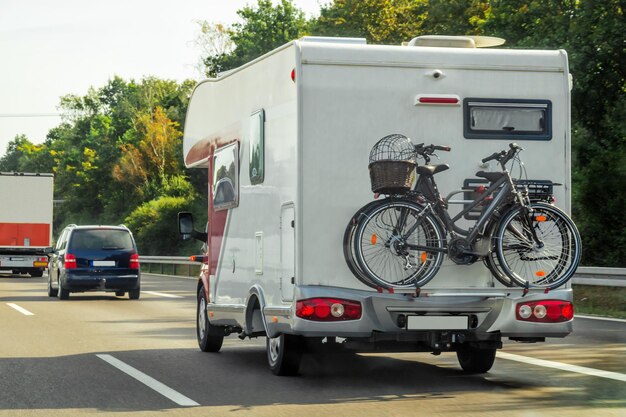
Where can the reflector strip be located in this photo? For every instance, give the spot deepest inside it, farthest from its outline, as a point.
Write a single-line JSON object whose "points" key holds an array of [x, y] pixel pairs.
{"points": [[438, 99]]}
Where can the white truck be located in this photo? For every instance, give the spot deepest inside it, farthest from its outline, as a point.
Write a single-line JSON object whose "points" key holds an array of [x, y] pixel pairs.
{"points": [[286, 138], [25, 222]]}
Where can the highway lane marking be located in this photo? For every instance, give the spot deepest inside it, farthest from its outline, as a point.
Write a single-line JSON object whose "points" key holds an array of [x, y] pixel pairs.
{"points": [[582, 316], [147, 380], [563, 366], [20, 309], [162, 294]]}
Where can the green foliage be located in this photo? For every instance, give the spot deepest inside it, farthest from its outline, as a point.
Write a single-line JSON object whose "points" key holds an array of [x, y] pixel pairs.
{"points": [[155, 227], [264, 28], [380, 21], [24, 156]]}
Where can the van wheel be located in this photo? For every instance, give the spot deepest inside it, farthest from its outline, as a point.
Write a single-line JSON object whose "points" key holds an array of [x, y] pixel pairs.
{"points": [[133, 294], [476, 361], [210, 338], [284, 353], [51, 291], [62, 293]]}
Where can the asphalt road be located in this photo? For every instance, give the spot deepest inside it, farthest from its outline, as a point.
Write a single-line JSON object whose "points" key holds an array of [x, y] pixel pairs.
{"points": [[97, 353]]}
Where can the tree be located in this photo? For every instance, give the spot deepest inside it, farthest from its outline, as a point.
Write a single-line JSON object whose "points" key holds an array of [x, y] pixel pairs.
{"points": [[264, 28], [380, 21], [149, 164]]}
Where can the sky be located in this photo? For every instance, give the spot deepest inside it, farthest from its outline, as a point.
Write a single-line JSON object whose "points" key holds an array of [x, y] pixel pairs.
{"points": [[49, 49]]}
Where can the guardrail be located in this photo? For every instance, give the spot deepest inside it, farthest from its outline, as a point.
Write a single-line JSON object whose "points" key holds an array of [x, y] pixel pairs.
{"points": [[170, 265], [182, 266], [606, 277]]}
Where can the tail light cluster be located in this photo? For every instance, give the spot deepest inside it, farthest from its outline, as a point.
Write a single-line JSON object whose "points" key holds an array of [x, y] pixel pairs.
{"points": [[545, 311], [328, 309], [134, 261], [70, 261]]}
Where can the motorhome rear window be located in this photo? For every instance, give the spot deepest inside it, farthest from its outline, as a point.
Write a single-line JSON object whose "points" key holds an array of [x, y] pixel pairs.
{"points": [[226, 177], [507, 119], [257, 147]]}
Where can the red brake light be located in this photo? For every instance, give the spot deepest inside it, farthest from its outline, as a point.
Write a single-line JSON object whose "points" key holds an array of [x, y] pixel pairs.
{"points": [[70, 261], [134, 261], [438, 100], [545, 311], [328, 309]]}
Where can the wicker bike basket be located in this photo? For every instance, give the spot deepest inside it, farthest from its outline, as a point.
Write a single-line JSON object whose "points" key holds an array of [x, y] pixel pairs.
{"points": [[392, 165]]}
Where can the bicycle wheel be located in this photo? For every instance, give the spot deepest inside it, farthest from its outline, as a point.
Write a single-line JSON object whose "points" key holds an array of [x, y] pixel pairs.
{"points": [[348, 242], [383, 240], [547, 265]]}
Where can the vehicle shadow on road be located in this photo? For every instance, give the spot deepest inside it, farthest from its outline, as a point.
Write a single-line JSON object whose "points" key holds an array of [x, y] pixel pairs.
{"points": [[238, 377]]}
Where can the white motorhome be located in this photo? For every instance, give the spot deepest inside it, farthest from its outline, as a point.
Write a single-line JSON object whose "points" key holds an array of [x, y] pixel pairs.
{"points": [[286, 140]]}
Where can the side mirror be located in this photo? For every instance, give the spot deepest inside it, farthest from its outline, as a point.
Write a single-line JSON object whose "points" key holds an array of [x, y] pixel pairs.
{"points": [[49, 250], [185, 224], [185, 227]]}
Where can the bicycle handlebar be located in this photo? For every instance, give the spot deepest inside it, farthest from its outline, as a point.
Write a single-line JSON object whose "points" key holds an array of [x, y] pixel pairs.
{"points": [[504, 156], [422, 149]]}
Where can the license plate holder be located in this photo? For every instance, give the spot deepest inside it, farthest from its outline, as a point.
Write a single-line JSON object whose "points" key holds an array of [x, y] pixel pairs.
{"points": [[437, 322], [103, 263]]}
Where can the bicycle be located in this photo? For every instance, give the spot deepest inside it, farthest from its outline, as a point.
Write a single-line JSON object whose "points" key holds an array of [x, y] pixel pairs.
{"points": [[400, 241]]}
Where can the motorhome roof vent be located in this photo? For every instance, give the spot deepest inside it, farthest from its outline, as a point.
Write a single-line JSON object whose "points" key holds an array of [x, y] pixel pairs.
{"points": [[325, 39], [456, 41]]}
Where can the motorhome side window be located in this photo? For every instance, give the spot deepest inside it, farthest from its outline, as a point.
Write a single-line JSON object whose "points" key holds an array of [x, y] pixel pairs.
{"points": [[507, 119], [226, 177], [257, 147]]}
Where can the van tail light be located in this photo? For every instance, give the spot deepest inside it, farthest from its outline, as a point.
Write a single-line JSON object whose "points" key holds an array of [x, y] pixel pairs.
{"points": [[328, 309], [134, 261], [545, 311], [70, 261]]}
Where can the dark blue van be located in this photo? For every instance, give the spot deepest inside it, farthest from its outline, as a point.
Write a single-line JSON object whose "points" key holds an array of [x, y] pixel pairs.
{"points": [[94, 258]]}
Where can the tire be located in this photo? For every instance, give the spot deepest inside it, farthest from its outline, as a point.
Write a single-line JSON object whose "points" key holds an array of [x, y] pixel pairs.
{"points": [[51, 291], [132, 294], [476, 361], [36, 273], [348, 243], [529, 265], [210, 338], [62, 293], [284, 353], [379, 250]]}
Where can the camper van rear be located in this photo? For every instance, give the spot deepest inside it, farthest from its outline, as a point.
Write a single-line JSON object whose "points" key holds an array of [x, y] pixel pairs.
{"points": [[285, 140]]}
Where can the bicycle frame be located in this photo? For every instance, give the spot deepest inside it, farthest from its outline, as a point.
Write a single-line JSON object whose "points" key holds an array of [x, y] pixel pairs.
{"points": [[426, 186]]}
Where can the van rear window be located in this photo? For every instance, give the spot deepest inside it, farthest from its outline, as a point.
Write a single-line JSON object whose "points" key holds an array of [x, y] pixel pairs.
{"points": [[100, 239], [507, 119]]}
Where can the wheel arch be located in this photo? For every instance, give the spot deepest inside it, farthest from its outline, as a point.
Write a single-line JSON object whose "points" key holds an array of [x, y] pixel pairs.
{"points": [[255, 323]]}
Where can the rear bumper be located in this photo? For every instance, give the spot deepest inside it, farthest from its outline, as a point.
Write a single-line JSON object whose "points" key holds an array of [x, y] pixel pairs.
{"points": [[81, 283], [490, 312]]}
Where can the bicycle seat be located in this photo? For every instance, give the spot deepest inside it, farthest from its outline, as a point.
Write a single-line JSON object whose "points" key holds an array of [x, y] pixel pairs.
{"points": [[430, 170], [491, 176]]}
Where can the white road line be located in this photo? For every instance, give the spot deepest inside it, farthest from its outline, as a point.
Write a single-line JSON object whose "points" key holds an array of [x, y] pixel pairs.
{"points": [[563, 366], [162, 389], [582, 316], [162, 294], [20, 309]]}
